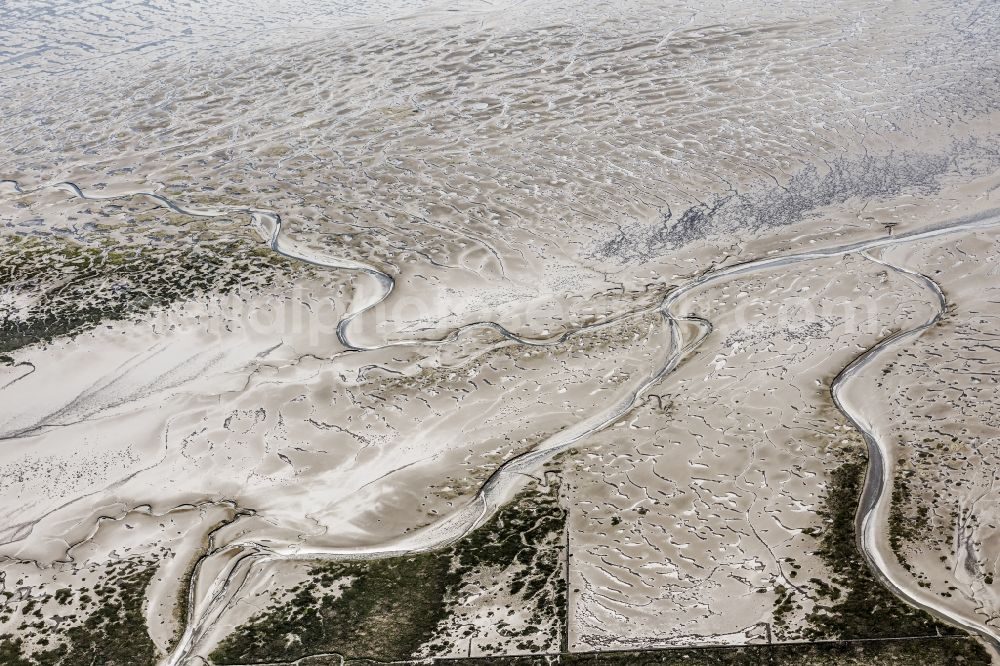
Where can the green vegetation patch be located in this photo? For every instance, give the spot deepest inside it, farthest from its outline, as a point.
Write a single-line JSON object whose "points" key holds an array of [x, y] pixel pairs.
{"points": [[69, 288], [749, 655], [519, 660], [906, 516], [855, 604], [944, 651], [111, 633], [389, 609], [933, 651], [917, 652]]}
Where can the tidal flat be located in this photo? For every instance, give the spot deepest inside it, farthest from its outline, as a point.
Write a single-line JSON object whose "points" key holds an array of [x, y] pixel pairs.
{"points": [[499, 333]]}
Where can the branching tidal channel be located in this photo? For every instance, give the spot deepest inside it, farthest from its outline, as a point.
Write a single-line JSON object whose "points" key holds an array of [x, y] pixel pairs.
{"points": [[508, 478]]}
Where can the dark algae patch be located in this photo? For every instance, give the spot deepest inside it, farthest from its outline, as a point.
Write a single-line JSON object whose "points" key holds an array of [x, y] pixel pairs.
{"points": [[390, 609], [108, 626]]}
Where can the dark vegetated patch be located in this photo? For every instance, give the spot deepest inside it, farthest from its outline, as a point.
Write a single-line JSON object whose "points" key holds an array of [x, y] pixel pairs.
{"points": [[74, 288], [748, 655], [863, 608], [908, 517], [934, 651], [386, 612], [387, 609], [114, 634], [519, 660]]}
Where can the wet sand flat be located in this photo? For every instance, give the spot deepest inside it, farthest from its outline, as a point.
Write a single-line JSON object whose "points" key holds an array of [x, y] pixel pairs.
{"points": [[400, 331]]}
